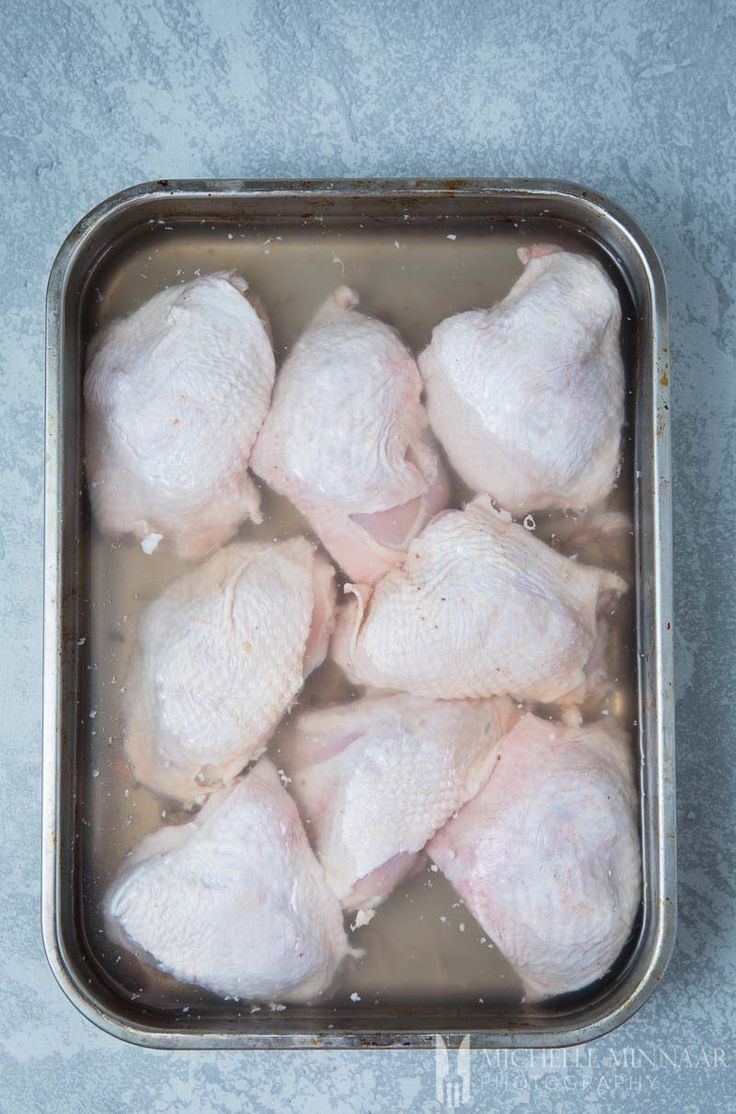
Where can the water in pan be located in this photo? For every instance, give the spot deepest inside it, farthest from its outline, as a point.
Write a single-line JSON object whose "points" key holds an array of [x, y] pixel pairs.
{"points": [[423, 948]]}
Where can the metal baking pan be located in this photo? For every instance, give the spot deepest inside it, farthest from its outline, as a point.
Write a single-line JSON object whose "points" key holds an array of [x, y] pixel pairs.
{"points": [[417, 250]]}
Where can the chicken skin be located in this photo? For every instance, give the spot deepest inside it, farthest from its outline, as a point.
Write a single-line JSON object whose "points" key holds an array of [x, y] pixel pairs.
{"points": [[376, 778], [480, 608], [547, 855], [527, 397], [233, 901], [346, 439], [175, 396], [219, 657]]}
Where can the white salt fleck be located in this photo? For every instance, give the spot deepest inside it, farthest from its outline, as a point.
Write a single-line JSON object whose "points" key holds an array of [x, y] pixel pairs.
{"points": [[149, 544], [461, 926], [451, 236], [362, 917], [529, 523], [397, 244], [93, 713], [355, 997], [434, 868]]}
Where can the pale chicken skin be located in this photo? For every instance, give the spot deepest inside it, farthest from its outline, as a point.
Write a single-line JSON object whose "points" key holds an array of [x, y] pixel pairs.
{"points": [[233, 901], [376, 778], [480, 608], [547, 857], [175, 395], [219, 657], [346, 439], [527, 398]]}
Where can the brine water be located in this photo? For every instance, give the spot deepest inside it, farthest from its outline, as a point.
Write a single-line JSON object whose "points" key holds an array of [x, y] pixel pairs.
{"points": [[424, 952]]}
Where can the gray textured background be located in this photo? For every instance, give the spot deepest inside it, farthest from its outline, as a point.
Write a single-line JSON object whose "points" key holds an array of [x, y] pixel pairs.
{"points": [[636, 99]]}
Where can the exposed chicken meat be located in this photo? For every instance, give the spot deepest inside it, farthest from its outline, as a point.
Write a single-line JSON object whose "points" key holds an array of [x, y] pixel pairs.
{"points": [[527, 397], [219, 657], [547, 856], [346, 439], [376, 778], [480, 608], [235, 900], [175, 396]]}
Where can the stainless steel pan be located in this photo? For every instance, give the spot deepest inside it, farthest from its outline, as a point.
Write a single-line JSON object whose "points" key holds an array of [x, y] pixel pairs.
{"points": [[419, 250]]}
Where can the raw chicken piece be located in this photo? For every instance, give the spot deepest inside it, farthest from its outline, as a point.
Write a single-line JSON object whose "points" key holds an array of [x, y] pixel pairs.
{"points": [[480, 608], [346, 439], [376, 778], [547, 855], [175, 395], [235, 900], [219, 657], [527, 397]]}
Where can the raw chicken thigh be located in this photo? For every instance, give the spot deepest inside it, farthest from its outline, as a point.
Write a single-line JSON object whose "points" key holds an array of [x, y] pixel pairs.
{"points": [[346, 439], [480, 608], [376, 778], [547, 856], [527, 397], [220, 656], [235, 900], [175, 395]]}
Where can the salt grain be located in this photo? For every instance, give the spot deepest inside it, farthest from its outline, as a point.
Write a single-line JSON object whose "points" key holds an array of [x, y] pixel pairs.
{"points": [[149, 544], [362, 917]]}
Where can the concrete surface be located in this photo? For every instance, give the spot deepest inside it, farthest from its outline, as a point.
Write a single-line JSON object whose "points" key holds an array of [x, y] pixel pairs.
{"points": [[637, 100]]}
